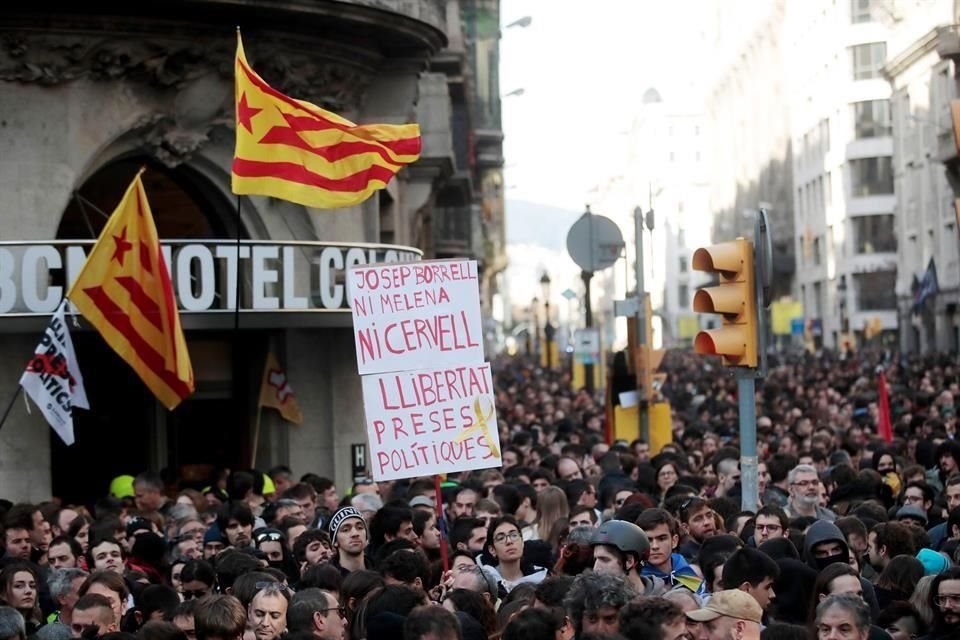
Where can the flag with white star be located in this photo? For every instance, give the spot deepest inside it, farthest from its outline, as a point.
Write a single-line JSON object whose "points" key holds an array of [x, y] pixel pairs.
{"points": [[293, 150]]}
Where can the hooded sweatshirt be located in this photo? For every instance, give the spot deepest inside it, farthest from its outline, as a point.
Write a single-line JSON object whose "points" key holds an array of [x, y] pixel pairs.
{"points": [[681, 574], [823, 531]]}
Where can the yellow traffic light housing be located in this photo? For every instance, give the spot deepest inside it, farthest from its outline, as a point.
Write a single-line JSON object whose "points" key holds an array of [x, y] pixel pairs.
{"points": [[734, 298]]}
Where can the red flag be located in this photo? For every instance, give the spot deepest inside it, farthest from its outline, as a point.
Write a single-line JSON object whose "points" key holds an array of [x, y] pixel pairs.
{"points": [[884, 426]]}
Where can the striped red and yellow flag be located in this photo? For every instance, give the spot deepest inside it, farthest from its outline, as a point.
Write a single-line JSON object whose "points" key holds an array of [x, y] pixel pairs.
{"points": [[124, 291], [293, 150]]}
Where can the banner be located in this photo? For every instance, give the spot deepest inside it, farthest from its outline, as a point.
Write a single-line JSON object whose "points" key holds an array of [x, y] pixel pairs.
{"points": [[52, 378], [418, 315], [431, 421], [427, 392]]}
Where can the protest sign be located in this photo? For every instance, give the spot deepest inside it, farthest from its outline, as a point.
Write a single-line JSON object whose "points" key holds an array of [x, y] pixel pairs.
{"points": [[431, 421], [416, 315]]}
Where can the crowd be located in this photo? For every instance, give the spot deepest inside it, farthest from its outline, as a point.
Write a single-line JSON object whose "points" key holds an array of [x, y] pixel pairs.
{"points": [[573, 537]]}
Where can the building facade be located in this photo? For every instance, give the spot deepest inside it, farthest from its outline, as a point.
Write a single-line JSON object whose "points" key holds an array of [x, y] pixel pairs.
{"points": [[88, 97], [922, 75], [843, 179]]}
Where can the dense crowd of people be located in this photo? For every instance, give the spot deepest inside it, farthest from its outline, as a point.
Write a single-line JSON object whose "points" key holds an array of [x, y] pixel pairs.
{"points": [[573, 537]]}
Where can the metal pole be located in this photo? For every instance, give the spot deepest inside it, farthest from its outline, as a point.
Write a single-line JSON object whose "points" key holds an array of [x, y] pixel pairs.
{"points": [[588, 322], [749, 498], [642, 391]]}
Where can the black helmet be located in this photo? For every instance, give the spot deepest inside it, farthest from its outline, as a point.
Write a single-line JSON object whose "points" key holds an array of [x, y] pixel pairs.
{"points": [[625, 536]]}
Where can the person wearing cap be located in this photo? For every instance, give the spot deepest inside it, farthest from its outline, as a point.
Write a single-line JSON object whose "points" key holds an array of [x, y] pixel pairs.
{"points": [[620, 548], [731, 614], [933, 562], [348, 532], [422, 503], [912, 516]]}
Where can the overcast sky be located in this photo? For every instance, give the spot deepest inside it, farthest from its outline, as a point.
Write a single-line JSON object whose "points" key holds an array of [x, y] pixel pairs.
{"points": [[583, 67]]}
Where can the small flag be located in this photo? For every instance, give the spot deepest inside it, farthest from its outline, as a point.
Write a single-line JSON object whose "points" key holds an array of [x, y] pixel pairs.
{"points": [[124, 291], [52, 378], [275, 391], [884, 426], [929, 286], [293, 150]]}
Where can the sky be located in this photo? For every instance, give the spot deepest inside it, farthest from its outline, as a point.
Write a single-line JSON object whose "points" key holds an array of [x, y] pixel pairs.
{"points": [[583, 68]]}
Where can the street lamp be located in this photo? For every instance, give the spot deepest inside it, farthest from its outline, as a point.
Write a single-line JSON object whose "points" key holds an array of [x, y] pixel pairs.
{"points": [[535, 324], [520, 22], [548, 329]]}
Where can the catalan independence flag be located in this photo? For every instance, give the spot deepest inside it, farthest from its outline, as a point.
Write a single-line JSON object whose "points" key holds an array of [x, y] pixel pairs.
{"points": [[124, 291], [293, 150]]}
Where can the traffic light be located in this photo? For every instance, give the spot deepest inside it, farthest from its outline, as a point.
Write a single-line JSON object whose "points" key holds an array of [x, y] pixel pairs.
{"points": [[734, 298]]}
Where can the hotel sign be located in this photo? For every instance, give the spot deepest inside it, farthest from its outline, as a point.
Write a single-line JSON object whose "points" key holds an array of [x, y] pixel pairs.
{"points": [[274, 276]]}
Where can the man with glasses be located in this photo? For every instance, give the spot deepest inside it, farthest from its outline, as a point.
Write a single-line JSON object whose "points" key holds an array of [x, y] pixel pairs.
{"points": [[919, 495], [945, 603], [317, 613], [771, 523], [805, 494]]}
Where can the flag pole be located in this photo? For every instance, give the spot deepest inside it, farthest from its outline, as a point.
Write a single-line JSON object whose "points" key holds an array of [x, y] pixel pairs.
{"points": [[236, 302], [256, 438], [441, 523], [6, 412]]}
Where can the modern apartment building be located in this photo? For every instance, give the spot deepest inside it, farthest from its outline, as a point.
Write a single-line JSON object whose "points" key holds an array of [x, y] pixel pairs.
{"points": [[839, 113]]}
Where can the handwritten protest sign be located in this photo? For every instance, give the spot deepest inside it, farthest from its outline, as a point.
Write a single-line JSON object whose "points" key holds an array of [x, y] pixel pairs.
{"points": [[416, 315], [431, 421], [427, 392]]}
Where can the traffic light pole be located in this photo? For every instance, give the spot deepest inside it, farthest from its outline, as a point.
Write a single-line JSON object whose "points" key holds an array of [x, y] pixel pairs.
{"points": [[642, 337], [746, 397]]}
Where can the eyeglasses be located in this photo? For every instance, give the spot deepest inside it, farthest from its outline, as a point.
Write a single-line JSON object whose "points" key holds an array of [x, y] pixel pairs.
{"points": [[279, 586], [341, 611], [945, 599], [768, 527], [269, 536], [513, 536], [198, 593]]}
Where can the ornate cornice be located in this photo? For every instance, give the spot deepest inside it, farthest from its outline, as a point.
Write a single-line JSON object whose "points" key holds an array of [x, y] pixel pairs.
{"points": [[178, 71], [52, 58]]}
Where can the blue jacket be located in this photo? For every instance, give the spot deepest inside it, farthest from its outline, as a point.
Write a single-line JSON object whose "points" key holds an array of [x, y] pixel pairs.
{"points": [[681, 574]]}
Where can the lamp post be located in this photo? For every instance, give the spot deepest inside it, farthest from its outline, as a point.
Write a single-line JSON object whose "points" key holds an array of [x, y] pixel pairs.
{"points": [[535, 325], [548, 329]]}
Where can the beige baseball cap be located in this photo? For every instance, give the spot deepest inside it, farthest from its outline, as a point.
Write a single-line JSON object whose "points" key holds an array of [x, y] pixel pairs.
{"points": [[732, 603]]}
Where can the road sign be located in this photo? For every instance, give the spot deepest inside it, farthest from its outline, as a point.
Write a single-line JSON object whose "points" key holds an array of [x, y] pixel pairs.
{"points": [[569, 294], [594, 242], [586, 345]]}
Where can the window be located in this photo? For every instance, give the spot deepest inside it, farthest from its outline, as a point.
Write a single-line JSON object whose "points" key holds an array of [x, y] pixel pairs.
{"points": [[871, 176], [874, 234], [871, 119], [860, 11], [876, 291], [868, 59], [683, 296], [683, 264], [817, 251]]}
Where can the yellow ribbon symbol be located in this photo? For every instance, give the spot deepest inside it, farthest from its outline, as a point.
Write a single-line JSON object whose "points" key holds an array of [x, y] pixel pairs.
{"points": [[482, 425]]}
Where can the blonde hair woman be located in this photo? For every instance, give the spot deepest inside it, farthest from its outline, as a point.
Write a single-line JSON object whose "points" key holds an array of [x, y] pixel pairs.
{"points": [[551, 506]]}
